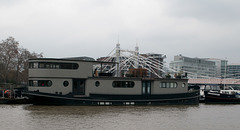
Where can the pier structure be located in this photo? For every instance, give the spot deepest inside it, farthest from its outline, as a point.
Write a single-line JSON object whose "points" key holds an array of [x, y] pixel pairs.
{"points": [[215, 82], [131, 59]]}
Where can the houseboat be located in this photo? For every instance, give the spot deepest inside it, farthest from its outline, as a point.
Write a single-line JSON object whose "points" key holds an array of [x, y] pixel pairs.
{"points": [[54, 81]]}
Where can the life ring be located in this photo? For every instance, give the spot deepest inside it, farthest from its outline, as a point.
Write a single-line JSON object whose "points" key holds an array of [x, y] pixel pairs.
{"points": [[7, 92]]}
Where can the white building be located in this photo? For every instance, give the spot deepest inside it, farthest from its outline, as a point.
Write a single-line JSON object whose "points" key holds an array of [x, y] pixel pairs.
{"points": [[221, 67], [194, 67], [233, 71]]}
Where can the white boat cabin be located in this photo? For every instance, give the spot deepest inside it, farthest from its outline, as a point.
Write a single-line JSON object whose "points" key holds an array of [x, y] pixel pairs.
{"points": [[79, 77]]}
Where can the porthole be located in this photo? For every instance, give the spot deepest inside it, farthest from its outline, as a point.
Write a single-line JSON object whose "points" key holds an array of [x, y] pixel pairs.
{"points": [[183, 85], [65, 83], [97, 83], [49, 83]]}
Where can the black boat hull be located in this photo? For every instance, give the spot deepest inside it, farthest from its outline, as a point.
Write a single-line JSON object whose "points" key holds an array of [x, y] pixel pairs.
{"points": [[101, 99], [221, 99], [14, 101]]}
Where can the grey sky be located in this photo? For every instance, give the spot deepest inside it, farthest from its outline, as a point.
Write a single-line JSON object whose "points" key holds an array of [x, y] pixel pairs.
{"points": [[64, 28]]}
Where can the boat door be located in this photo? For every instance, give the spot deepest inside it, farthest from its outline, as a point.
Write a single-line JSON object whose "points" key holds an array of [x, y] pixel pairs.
{"points": [[78, 86], [146, 87]]}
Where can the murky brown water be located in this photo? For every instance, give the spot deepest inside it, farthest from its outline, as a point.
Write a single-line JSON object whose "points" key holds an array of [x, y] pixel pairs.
{"points": [[200, 117]]}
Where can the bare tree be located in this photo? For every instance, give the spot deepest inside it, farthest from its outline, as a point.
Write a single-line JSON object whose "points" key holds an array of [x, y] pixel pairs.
{"points": [[14, 59], [8, 51], [22, 63]]}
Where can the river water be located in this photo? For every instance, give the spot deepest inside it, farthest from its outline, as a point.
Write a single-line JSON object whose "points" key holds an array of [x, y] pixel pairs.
{"points": [[180, 117]]}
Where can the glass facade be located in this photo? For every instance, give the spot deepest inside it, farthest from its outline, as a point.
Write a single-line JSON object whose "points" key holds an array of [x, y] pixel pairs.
{"points": [[194, 67], [233, 71]]}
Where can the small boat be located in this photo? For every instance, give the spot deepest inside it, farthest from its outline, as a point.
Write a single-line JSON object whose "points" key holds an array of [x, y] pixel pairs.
{"points": [[229, 95], [14, 101], [204, 89]]}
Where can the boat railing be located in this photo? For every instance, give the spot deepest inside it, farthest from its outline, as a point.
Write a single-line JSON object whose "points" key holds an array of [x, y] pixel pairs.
{"points": [[230, 91]]}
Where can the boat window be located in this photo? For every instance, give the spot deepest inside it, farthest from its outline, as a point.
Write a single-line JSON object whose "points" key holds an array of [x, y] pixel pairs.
{"points": [[41, 65], [97, 83], [49, 83], [65, 83], [56, 66], [30, 82], [168, 85], [68, 66], [123, 84], [33, 65], [40, 83], [53, 65], [65, 66], [35, 83], [183, 85]]}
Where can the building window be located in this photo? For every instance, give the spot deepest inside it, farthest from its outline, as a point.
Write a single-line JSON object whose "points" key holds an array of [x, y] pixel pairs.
{"points": [[65, 83], [40, 83], [123, 84], [168, 85], [97, 83]]}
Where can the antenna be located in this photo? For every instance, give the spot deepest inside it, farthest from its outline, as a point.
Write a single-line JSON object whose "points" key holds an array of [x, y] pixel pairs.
{"points": [[136, 62], [118, 38]]}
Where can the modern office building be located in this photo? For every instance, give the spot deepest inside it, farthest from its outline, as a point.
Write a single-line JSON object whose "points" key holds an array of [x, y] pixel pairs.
{"points": [[194, 67], [221, 67], [157, 60], [233, 71]]}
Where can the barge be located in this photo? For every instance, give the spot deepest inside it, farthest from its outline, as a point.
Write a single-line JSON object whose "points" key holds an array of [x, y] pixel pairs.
{"points": [[54, 81]]}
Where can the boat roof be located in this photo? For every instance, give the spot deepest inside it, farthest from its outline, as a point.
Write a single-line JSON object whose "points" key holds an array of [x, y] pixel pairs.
{"points": [[73, 59]]}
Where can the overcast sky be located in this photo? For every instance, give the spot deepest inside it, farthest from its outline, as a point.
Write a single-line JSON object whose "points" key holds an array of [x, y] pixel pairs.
{"points": [[65, 28]]}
